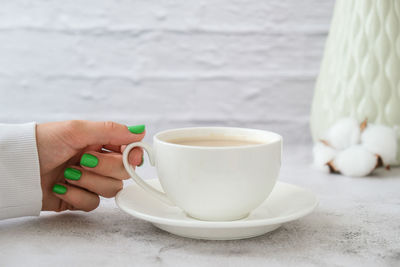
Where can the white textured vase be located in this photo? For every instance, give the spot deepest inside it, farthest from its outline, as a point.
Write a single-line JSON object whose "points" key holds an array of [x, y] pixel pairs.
{"points": [[360, 70]]}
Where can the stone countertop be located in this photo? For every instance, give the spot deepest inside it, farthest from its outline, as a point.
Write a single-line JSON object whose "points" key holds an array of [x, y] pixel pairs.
{"points": [[357, 223]]}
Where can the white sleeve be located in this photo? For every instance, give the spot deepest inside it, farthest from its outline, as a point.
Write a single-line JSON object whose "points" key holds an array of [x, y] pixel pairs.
{"points": [[20, 190]]}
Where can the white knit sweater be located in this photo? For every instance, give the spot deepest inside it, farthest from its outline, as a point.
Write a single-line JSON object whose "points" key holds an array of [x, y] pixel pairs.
{"points": [[20, 190]]}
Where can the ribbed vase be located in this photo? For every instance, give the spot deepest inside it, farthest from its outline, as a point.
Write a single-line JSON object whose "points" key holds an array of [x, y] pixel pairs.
{"points": [[360, 70]]}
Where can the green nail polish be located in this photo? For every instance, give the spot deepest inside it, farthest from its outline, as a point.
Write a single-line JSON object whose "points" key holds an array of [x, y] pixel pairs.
{"points": [[137, 129], [59, 189], [141, 163], [88, 160], [72, 174]]}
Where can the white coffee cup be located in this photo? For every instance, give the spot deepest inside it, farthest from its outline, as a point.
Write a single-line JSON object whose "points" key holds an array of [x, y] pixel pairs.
{"points": [[212, 183]]}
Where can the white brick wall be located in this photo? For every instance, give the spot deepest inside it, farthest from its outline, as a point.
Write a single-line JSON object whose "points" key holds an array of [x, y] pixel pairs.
{"points": [[165, 63]]}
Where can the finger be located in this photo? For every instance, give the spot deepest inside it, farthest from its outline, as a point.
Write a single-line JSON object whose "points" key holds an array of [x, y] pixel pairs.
{"points": [[92, 148], [84, 133], [135, 156], [123, 148], [77, 197], [101, 185], [108, 164], [119, 149]]}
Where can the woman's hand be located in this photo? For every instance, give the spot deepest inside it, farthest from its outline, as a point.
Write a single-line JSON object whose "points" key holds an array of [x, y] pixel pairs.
{"points": [[82, 160]]}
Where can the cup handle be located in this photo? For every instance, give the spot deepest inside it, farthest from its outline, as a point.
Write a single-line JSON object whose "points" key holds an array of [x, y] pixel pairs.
{"points": [[151, 190]]}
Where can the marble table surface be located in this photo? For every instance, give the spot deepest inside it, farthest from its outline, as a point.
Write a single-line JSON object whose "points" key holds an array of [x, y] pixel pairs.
{"points": [[357, 223]]}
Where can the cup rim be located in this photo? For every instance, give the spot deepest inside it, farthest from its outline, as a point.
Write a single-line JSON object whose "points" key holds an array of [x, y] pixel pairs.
{"points": [[277, 138]]}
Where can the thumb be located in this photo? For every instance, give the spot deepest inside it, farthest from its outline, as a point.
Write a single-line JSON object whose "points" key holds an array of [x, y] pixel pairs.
{"points": [[86, 133]]}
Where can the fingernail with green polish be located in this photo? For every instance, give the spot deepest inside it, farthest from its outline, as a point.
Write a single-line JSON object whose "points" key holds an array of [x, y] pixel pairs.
{"points": [[72, 174], [141, 163], [137, 129], [59, 189], [88, 160]]}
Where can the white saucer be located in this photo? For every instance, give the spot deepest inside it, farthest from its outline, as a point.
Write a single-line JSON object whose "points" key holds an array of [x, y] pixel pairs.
{"points": [[286, 203]]}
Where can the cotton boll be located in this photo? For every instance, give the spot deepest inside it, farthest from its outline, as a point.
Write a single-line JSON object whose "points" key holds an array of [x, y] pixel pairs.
{"points": [[355, 161], [380, 140], [322, 155], [344, 133]]}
